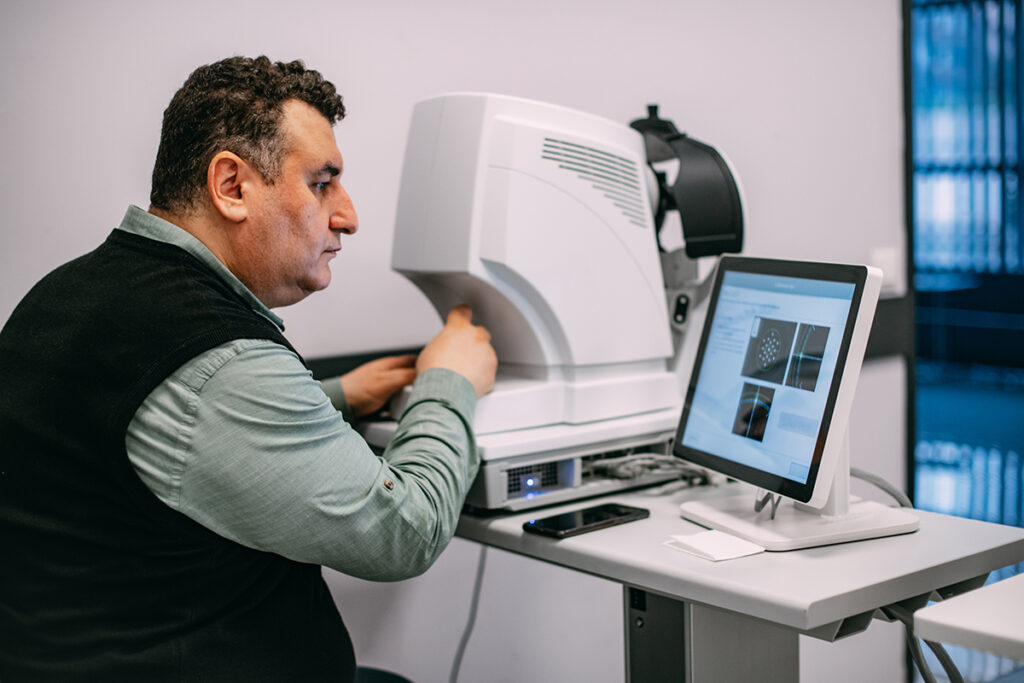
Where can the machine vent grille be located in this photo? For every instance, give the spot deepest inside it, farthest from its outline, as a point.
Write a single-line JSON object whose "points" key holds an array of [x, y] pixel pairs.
{"points": [[545, 475], [617, 178]]}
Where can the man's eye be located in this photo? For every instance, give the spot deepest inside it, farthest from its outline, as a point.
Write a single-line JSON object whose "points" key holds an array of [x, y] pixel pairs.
{"points": [[321, 187]]}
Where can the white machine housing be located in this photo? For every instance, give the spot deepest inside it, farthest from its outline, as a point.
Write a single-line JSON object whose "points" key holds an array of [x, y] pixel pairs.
{"points": [[539, 218]]}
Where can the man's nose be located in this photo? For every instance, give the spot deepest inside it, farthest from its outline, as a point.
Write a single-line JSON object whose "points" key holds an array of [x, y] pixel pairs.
{"points": [[344, 217]]}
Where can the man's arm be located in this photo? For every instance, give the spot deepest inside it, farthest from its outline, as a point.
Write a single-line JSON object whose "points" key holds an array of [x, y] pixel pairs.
{"points": [[461, 347], [246, 443], [367, 388]]}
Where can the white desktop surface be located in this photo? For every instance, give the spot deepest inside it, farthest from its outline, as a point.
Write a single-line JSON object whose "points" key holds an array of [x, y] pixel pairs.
{"points": [[987, 619], [803, 589]]}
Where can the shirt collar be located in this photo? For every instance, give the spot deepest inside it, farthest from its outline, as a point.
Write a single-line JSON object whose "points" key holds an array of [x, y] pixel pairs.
{"points": [[145, 224]]}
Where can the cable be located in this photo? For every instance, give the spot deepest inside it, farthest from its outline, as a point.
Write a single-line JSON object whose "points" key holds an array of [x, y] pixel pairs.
{"points": [[918, 656], [894, 613], [768, 497], [900, 497], [474, 602], [634, 465], [901, 614], [952, 673]]}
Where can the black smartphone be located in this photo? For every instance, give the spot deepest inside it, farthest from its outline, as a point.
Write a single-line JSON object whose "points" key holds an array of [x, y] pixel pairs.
{"points": [[587, 519]]}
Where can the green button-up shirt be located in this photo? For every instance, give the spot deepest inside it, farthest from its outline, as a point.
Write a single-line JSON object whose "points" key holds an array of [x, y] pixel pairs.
{"points": [[244, 441]]}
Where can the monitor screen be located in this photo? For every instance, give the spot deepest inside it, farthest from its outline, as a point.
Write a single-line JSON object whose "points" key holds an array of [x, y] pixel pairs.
{"points": [[768, 369]]}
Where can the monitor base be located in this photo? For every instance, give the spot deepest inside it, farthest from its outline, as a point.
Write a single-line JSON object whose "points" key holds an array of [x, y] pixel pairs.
{"points": [[794, 528]]}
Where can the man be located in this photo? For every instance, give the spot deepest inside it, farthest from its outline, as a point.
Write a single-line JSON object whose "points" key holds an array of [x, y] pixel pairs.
{"points": [[171, 477]]}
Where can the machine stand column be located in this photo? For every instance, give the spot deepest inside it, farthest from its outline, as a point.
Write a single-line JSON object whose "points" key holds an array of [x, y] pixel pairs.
{"points": [[670, 641]]}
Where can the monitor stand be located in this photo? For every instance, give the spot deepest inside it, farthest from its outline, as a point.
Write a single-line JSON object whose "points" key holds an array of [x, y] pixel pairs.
{"points": [[794, 526]]}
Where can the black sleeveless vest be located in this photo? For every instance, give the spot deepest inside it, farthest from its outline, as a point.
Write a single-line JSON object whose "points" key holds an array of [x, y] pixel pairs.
{"points": [[99, 580]]}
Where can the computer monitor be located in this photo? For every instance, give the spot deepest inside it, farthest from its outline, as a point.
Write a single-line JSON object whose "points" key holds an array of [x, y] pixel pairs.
{"points": [[769, 398]]}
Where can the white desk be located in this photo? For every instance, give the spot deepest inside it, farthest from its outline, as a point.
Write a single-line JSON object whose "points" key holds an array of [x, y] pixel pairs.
{"points": [[689, 619], [987, 619]]}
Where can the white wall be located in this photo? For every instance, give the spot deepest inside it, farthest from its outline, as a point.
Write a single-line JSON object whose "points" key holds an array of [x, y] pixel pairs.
{"points": [[803, 95]]}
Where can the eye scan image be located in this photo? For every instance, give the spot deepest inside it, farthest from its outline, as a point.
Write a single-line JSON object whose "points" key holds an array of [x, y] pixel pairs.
{"points": [[768, 349], [752, 413], [805, 364]]}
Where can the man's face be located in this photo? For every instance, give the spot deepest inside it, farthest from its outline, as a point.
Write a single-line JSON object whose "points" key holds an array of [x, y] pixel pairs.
{"points": [[297, 222]]}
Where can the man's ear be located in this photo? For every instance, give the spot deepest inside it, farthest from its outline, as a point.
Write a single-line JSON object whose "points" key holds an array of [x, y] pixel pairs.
{"points": [[229, 181]]}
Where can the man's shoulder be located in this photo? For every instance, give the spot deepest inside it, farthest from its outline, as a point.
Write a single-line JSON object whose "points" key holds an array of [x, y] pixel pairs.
{"points": [[245, 359]]}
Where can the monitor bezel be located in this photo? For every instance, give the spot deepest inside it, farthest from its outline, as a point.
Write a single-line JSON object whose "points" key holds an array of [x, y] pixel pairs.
{"points": [[824, 448]]}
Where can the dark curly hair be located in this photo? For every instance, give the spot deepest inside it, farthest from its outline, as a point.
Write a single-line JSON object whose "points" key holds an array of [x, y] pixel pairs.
{"points": [[235, 105]]}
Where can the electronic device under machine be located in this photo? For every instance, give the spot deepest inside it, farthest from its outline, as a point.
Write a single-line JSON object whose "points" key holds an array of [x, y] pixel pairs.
{"points": [[544, 220]]}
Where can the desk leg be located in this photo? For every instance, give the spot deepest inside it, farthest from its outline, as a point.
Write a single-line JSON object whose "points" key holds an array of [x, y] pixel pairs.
{"points": [[672, 641]]}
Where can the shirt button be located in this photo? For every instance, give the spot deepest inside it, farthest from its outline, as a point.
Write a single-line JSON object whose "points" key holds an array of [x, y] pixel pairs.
{"points": [[389, 485]]}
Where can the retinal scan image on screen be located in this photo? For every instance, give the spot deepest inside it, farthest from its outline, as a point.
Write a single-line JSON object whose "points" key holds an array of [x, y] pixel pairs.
{"points": [[805, 364], [768, 350], [766, 369], [772, 356], [752, 414]]}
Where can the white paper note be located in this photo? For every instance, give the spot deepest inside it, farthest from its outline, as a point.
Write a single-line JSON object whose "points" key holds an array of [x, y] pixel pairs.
{"points": [[714, 545]]}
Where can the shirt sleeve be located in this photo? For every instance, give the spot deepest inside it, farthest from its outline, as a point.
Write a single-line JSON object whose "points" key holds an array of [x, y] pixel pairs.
{"points": [[245, 442], [332, 387]]}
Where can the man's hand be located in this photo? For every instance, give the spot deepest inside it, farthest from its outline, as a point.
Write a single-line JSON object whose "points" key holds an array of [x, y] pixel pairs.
{"points": [[368, 387], [463, 347]]}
